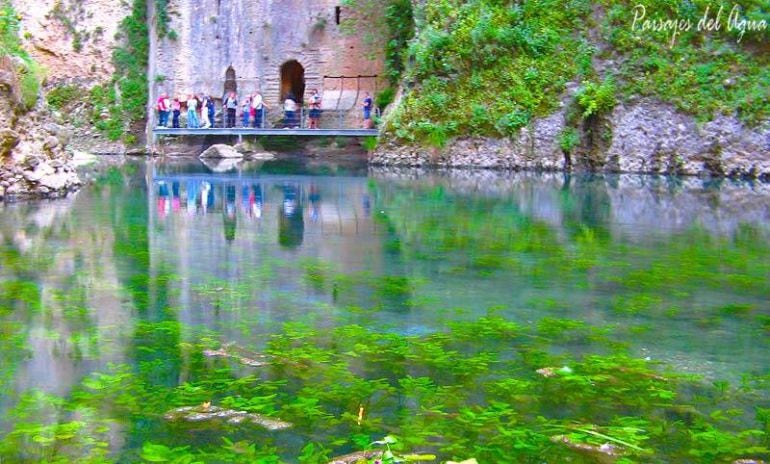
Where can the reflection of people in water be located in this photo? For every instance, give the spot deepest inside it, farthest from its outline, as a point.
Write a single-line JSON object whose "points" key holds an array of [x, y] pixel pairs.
{"points": [[245, 199], [291, 225], [315, 202], [164, 206], [229, 213], [207, 197], [192, 196], [175, 202], [255, 201], [366, 203]]}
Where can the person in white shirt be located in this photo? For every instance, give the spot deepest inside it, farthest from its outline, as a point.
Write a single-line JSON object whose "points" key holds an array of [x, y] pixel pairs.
{"points": [[258, 108], [315, 109], [290, 111]]}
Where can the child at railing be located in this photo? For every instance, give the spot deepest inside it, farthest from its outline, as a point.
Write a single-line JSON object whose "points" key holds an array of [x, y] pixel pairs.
{"points": [[245, 110], [315, 109]]}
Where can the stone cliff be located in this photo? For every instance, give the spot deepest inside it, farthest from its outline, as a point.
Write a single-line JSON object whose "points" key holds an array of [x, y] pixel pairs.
{"points": [[50, 45], [33, 161], [646, 137], [575, 87], [72, 39]]}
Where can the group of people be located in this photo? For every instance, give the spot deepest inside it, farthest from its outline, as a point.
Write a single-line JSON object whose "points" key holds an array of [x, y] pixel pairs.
{"points": [[201, 110]]}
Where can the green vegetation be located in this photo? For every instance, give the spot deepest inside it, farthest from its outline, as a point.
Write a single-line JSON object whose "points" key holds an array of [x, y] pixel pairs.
{"points": [[399, 19], [595, 98], [26, 71], [569, 139], [119, 106], [369, 143], [162, 20], [61, 96], [703, 73], [487, 67]]}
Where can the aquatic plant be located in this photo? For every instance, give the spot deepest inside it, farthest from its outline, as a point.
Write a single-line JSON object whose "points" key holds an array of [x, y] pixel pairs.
{"points": [[565, 364]]}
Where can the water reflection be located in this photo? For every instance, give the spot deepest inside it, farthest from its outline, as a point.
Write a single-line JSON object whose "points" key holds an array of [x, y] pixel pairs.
{"points": [[137, 271], [291, 221]]}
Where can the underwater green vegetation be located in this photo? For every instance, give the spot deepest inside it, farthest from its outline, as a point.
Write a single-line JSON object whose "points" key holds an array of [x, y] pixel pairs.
{"points": [[577, 356], [514, 400]]}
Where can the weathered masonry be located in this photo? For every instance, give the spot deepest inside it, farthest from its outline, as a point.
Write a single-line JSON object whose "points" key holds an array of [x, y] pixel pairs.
{"points": [[276, 47]]}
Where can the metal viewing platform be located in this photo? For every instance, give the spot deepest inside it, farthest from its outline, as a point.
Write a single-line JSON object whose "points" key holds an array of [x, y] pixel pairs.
{"points": [[240, 131]]}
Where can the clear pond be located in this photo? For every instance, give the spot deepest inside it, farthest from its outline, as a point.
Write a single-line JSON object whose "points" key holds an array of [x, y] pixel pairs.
{"points": [[297, 311]]}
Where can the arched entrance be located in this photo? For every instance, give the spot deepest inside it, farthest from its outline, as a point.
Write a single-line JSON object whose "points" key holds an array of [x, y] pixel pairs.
{"points": [[231, 85], [293, 80]]}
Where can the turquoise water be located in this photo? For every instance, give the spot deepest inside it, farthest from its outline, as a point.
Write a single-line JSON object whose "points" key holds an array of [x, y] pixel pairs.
{"points": [[503, 317]]}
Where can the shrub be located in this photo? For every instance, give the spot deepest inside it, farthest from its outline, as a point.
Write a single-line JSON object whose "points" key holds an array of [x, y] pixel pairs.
{"points": [[61, 96], [385, 98], [595, 98], [569, 139], [29, 79], [369, 143]]}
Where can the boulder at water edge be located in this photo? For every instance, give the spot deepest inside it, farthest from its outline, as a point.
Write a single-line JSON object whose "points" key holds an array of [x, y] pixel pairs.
{"points": [[221, 151]]}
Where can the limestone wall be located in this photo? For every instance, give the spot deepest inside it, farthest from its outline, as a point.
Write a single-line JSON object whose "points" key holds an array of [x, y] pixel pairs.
{"points": [[255, 37], [72, 39]]}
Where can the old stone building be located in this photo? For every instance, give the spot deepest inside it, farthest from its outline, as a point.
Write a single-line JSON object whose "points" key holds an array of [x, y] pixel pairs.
{"points": [[273, 46]]}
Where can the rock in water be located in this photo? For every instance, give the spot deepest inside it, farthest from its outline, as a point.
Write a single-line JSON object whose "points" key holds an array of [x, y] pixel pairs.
{"points": [[220, 150], [353, 458], [210, 413], [248, 361]]}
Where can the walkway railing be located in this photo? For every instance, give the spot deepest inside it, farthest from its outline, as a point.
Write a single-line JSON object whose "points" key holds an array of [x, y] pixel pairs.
{"points": [[276, 122]]}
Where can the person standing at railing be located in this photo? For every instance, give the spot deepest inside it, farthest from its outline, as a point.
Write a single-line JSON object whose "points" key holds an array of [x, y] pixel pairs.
{"points": [[246, 112], [176, 109], [367, 107], [205, 121], [163, 109], [192, 113], [211, 108], [290, 111], [230, 104], [258, 108], [315, 109]]}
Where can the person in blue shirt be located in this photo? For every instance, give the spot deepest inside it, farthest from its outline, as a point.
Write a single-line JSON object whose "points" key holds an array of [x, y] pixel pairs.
{"points": [[367, 107]]}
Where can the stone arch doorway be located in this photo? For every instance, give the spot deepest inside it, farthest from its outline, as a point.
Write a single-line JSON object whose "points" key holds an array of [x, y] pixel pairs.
{"points": [[293, 80], [231, 85]]}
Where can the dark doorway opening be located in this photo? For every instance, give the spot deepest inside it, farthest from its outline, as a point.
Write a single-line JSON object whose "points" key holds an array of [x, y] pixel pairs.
{"points": [[231, 85], [293, 81]]}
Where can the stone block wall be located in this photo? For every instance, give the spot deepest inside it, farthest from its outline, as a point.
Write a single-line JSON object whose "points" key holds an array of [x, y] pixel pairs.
{"points": [[255, 38]]}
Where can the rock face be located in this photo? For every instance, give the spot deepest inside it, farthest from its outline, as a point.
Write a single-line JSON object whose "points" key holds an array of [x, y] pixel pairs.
{"points": [[72, 38], [535, 148], [33, 162], [38, 166], [654, 138], [647, 137]]}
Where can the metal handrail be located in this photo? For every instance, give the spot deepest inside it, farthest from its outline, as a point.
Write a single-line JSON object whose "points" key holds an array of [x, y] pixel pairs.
{"points": [[276, 118]]}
